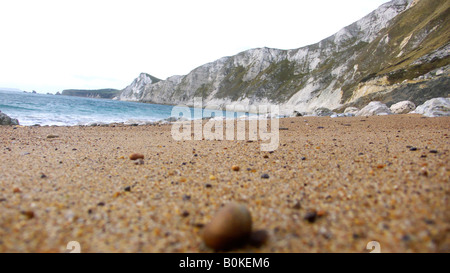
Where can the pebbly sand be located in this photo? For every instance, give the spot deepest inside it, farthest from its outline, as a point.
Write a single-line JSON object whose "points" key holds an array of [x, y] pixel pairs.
{"points": [[358, 174]]}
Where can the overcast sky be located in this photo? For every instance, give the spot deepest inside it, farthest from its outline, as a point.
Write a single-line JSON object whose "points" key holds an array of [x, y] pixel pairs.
{"points": [[49, 46]]}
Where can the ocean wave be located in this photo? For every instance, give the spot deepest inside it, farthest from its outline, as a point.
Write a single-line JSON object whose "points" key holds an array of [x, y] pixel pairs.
{"points": [[38, 109]]}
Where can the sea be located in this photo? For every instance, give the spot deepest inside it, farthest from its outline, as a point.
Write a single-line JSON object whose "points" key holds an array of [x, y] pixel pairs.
{"points": [[42, 109]]}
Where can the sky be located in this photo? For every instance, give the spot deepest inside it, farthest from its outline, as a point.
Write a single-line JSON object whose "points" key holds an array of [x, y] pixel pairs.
{"points": [[49, 46]]}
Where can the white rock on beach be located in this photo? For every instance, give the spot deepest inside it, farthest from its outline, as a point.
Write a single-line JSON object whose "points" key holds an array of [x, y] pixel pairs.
{"points": [[403, 107], [375, 108], [436, 107], [351, 110], [323, 112], [6, 120], [96, 123], [342, 115]]}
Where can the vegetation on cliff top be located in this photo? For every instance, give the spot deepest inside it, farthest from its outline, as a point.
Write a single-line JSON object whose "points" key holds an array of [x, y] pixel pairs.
{"points": [[99, 93]]}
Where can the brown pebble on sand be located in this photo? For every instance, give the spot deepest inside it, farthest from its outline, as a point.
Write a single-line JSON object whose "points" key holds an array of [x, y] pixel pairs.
{"points": [[258, 238], [136, 156], [321, 213], [230, 227], [28, 214], [311, 216]]}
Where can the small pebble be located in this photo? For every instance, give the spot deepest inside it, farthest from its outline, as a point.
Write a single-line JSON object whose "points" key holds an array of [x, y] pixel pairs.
{"points": [[52, 136], [423, 171], [321, 213], [406, 238], [139, 162], [235, 168], [265, 176], [101, 204], [16, 190], [413, 149], [297, 205], [311, 216], [258, 238], [28, 214], [128, 188], [433, 151], [186, 197], [136, 156], [185, 213], [230, 227]]}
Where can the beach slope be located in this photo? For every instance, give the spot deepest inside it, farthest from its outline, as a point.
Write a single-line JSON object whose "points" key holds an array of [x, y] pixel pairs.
{"points": [[333, 185]]}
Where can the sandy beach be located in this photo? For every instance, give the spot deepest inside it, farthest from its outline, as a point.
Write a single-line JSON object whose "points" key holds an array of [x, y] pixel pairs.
{"points": [[382, 178]]}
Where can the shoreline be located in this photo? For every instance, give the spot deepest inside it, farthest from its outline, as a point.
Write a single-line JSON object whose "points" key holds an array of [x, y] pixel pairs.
{"points": [[170, 120], [377, 178], [196, 110]]}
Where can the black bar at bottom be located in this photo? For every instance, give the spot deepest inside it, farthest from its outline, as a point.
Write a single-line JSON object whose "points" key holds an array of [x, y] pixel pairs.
{"points": [[223, 262]]}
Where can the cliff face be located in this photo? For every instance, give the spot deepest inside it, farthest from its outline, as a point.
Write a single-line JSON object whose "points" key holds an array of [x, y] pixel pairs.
{"points": [[397, 46], [135, 90]]}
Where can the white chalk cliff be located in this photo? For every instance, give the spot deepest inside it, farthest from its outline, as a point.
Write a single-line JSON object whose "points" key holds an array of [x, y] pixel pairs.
{"points": [[398, 52], [135, 90]]}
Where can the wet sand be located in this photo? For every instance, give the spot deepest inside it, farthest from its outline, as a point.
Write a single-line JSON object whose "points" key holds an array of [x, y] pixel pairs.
{"points": [[333, 186]]}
